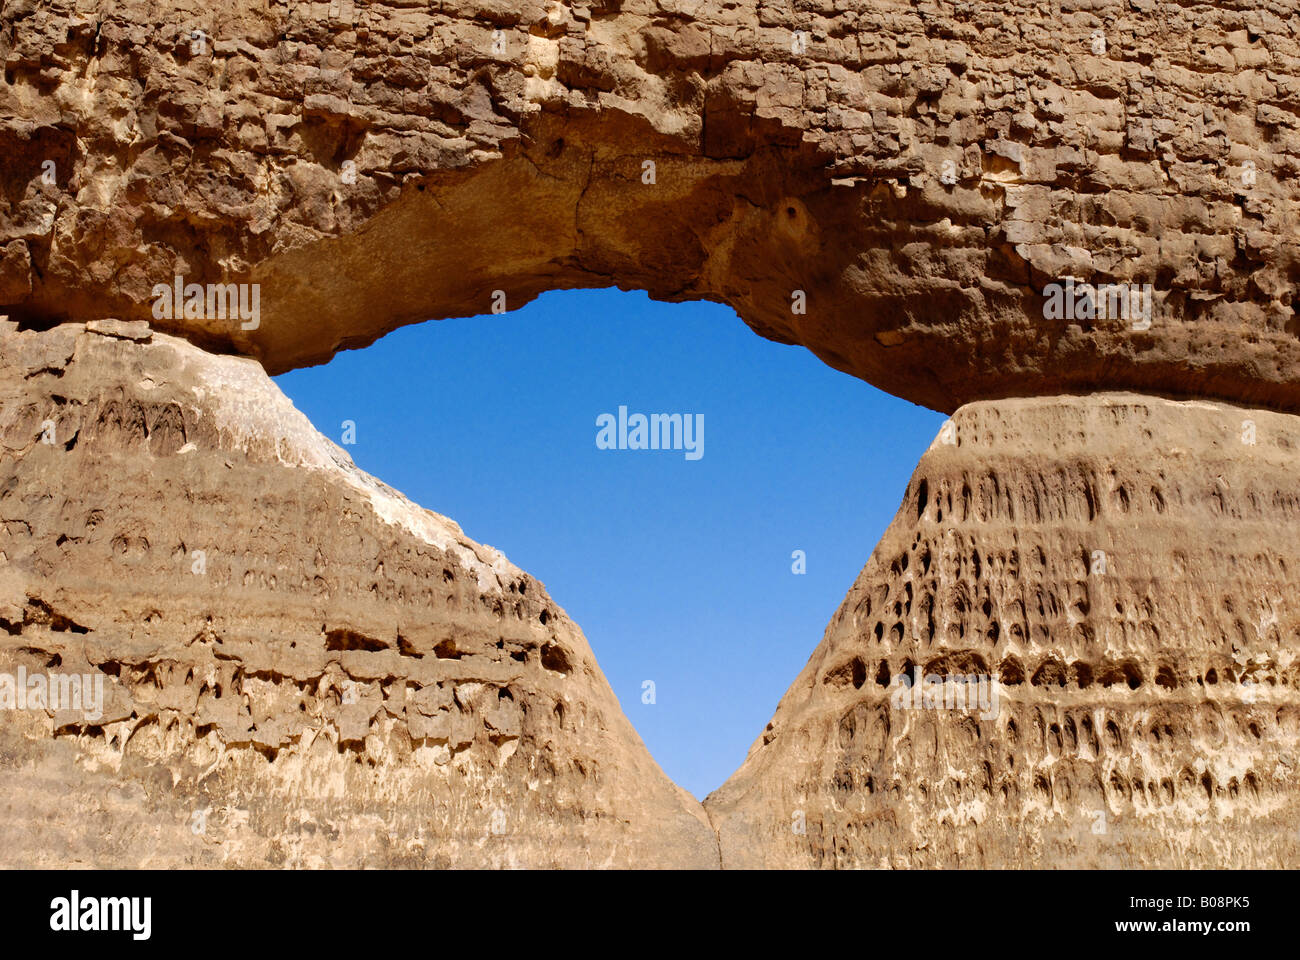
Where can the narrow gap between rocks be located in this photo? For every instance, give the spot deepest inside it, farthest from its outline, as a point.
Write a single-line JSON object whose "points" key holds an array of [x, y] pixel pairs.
{"points": [[703, 578]]}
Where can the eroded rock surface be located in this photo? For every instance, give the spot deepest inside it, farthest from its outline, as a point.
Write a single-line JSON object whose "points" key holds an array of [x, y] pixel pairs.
{"points": [[301, 666], [1125, 568], [893, 184], [919, 171]]}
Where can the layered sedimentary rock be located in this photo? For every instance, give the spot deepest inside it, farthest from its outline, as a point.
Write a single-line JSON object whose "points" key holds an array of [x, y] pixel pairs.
{"points": [[300, 667], [890, 183], [1124, 569], [304, 668]]}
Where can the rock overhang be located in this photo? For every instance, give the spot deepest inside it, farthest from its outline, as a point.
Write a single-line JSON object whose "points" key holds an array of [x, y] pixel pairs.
{"points": [[893, 187]]}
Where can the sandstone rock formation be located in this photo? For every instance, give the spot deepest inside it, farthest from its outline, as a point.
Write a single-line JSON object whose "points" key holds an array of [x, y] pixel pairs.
{"points": [[337, 678], [920, 171], [1125, 567], [350, 681]]}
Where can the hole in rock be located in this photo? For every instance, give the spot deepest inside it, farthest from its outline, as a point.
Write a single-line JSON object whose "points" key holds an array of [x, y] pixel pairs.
{"points": [[446, 650], [680, 571], [348, 640]]}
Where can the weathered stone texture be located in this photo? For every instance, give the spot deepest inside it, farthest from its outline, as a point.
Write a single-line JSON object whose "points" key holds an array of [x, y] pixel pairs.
{"points": [[371, 164], [1125, 567], [914, 173], [339, 678]]}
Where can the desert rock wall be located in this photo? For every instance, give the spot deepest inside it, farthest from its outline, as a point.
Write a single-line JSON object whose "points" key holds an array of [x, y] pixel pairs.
{"points": [[300, 667], [1070, 224], [1093, 600]]}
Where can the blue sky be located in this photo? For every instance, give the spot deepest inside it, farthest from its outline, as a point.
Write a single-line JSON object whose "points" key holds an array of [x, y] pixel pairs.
{"points": [[678, 571]]}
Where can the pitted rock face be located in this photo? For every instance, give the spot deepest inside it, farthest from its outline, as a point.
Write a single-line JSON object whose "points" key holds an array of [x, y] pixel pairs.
{"points": [[300, 666], [1092, 603], [891, 184], [895, 185]]}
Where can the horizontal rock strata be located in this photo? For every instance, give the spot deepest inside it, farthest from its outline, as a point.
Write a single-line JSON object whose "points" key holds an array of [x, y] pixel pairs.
{"points": [[304, 668], [1124, 568], [300, 666]]}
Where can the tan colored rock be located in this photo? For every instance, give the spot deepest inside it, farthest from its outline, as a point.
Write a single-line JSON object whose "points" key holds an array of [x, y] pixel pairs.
{"points": [[301, 666], [1124, 567], [921, 172], [351, 681]]}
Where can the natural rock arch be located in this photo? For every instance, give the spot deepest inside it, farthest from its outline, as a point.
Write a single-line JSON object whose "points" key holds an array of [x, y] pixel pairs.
{"points": [[919, 171]]}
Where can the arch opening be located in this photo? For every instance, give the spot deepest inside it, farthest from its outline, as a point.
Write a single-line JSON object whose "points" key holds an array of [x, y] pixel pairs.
{"points": [[701, 584]]}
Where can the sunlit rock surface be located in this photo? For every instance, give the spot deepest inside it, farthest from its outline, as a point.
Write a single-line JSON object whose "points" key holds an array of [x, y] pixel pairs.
{"points": [[1123, 569], [301, 667], [891, 183]]}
